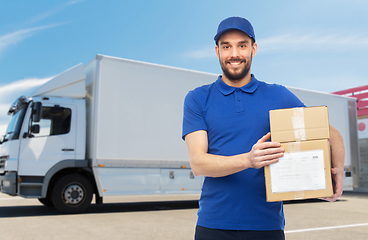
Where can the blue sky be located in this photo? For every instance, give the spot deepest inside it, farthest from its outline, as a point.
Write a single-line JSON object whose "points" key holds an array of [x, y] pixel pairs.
{"points": [[320, 45]]}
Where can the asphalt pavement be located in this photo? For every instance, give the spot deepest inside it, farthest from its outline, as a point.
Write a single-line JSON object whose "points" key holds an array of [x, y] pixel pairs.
{"points": [[173, 217]]}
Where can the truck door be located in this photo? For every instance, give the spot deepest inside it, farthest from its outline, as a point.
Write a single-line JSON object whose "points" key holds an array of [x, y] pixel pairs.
{"points": [[49, 141]]}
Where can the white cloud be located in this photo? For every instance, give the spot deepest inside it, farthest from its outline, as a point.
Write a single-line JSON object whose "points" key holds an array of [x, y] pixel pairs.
{"points": [[52, 11], [321, 41], [10, 92], [18, 36], [299, 41], [206, 52], [20, 87]]}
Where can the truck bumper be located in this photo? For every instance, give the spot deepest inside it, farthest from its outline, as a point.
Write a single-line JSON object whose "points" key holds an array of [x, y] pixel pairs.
{"points": [[8, 183]]}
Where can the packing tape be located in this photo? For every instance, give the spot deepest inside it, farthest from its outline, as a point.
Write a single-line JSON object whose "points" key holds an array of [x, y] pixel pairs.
{"points": [[294, 147], [298, 124], [299, 195]]}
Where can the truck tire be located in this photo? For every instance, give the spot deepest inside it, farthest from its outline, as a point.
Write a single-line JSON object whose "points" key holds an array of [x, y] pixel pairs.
{"points": [[46, 201], [72, 194]]}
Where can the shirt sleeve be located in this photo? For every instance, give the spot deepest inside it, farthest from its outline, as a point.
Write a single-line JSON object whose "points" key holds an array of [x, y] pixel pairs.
{"points": [[290, 100], [193, 117]]}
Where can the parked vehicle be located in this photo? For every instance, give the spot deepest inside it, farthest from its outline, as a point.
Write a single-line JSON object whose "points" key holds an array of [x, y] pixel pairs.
{"points": [[111, 128]]}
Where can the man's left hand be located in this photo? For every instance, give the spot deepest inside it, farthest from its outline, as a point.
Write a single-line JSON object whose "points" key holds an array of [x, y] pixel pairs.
{"points": [[337, 181]]}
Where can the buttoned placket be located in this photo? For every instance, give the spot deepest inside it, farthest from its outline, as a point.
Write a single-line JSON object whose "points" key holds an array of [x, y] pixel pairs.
{"points": [[239, 100]]}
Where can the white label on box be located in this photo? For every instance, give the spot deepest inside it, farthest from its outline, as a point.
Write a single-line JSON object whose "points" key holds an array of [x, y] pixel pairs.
{"points": [[299, 171]]}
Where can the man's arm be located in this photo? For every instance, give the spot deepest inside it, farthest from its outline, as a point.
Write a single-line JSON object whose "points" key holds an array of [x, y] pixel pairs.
{"points": [[337, 162], [263, 153]]}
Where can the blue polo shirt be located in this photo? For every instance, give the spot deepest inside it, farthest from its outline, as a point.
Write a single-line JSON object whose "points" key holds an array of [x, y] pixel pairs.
{"points": [[235, 119]]}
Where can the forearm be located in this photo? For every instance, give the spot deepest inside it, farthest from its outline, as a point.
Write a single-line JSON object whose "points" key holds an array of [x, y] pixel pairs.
{"points": [[337, 163], [217, 166], [263, 153], [337, 149]]}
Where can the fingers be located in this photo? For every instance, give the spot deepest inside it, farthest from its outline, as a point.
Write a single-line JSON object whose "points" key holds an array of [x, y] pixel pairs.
{"points": [[262, 142], [264, 138], [262, 163], [266, 145], [329, 199], [265, 153], [337, 182], [269, 153], [266, 156], [333, 198]]}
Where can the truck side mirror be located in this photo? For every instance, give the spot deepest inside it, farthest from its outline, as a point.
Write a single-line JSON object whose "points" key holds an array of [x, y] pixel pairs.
{"points": [[35, 129], [36, 112]]}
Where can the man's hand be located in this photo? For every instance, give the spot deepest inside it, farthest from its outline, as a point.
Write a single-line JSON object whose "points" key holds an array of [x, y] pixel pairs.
{"points": [[264, 153], [337, 181]]}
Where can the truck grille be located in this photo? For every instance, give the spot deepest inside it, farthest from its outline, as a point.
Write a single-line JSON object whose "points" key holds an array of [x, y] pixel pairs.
{"points": [[3, 160]]}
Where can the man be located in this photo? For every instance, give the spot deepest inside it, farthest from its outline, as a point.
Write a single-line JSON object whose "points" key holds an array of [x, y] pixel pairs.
{"points": [[226, 129]]}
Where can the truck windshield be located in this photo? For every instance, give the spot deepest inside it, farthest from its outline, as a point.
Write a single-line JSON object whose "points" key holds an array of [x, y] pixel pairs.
{"points": [[13, 130]]}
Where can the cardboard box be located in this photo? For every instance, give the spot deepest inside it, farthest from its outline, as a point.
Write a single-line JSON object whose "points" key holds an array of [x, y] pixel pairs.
{"points": [[305, 170], [299, 124]]}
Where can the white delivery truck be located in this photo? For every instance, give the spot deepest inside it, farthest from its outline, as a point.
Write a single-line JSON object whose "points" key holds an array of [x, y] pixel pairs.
{"points": [[112, 127]]}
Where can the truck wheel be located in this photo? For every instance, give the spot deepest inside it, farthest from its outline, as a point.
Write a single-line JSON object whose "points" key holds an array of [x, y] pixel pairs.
{"points": [[46, 201], [72, 194]]}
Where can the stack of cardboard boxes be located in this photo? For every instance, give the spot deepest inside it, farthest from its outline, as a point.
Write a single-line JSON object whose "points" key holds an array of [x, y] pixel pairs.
{"points": [[305, 170]]}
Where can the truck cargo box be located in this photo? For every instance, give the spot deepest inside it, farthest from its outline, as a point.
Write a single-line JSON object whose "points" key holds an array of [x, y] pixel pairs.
{"points": [[135, 110]]}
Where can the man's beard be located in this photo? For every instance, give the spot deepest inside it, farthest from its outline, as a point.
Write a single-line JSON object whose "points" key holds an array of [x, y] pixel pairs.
{"points": [[236, 76]]}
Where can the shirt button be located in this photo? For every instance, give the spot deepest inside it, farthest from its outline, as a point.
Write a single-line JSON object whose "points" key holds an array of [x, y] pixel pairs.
{"points": [[239, 99]]}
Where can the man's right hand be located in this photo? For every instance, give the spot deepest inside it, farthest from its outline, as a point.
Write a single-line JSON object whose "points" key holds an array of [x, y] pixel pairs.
{"points": [[264, 153]]}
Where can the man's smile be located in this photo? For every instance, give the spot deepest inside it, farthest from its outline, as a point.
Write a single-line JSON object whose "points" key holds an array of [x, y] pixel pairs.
{"points": [[236, 63]]}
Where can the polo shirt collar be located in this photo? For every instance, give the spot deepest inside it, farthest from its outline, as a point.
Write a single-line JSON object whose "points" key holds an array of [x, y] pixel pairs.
{"points": [[225, 89]]}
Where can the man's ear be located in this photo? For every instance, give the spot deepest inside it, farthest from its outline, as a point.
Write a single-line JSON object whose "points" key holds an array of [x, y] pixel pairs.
{"points": [[217, 51], [254, 46]]}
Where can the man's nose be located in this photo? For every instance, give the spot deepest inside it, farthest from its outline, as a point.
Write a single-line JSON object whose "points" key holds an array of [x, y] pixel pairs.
{"points": [[235, 52]]}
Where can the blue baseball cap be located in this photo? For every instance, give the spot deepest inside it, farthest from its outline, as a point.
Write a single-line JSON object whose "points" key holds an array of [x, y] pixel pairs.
{"points": [[235, 23]]}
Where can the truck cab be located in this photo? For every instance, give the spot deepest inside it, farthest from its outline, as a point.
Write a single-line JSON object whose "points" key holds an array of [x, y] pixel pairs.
{"points": [[45, 140]]}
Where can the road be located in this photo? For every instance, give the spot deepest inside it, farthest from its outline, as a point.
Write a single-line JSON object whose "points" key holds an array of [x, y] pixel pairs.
{"points": [[149, 217]]}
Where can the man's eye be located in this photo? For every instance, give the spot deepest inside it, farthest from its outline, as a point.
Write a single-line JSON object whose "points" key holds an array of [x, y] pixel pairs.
{"points": [[226, 47], [242, 46]]}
